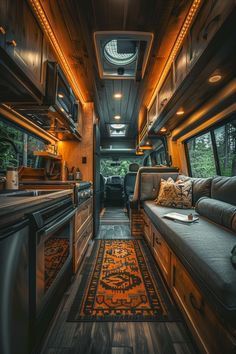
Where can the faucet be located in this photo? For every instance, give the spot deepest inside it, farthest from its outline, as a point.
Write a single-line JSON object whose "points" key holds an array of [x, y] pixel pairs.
{"points": [[7, 140]]}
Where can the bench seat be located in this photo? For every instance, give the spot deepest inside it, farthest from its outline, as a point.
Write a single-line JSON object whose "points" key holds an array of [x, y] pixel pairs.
{"points": [[204, 248]]}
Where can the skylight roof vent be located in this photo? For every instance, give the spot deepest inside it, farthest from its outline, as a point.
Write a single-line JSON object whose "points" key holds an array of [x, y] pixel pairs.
{"points": [[122, 55]]}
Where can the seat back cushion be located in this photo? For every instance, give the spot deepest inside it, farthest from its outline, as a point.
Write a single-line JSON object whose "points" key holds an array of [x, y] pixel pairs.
{"points": [[224, 189], [220, 212], [201, 187], [129, 182], [175, 194], [150, 184]]}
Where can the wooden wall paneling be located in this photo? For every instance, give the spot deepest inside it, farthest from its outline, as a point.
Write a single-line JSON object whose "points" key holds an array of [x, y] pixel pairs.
{"points": [[73, 151]]}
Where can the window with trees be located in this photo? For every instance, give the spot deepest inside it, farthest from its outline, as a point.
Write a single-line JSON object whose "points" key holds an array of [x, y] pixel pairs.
{"points": [[17, 146], [214, 151]]}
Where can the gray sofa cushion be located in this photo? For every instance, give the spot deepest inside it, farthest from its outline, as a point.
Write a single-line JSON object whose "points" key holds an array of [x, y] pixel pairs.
{"points": [[205, 250], [224, 189], [220, 212], [150, 184], [201, 187]]}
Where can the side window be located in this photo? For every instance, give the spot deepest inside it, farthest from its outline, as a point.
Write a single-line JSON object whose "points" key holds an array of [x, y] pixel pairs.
{"points": [[213, 152], [201, 156], [11, 137], [225, 137]]}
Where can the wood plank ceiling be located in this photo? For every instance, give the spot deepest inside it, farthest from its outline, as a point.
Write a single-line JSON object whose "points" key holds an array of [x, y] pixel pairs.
{"points": [[75, 21]]}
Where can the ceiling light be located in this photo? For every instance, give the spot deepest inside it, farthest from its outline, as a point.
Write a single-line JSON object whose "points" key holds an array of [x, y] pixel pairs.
{"points": [[117, 126], [117, 117], [214, 78], [163, 130], [147, 143], [180, 112], [60, 95], [117, 95]]}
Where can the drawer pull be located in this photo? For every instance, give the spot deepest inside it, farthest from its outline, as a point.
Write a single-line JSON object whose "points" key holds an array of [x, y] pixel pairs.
{"points": [[215, 21], [163, 102], [157, 241], [12, 43], [193, 301], [2, 30]]}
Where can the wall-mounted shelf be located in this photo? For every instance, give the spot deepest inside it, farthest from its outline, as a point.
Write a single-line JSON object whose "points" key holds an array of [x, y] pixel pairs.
{"points": [[47, 154]]}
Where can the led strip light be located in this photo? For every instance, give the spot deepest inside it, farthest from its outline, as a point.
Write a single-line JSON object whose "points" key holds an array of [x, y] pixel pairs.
{"points": [[179, 41], [37, 7]]}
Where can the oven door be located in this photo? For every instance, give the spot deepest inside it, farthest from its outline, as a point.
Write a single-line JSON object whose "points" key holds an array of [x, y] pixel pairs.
{"points": [[53, 257]]}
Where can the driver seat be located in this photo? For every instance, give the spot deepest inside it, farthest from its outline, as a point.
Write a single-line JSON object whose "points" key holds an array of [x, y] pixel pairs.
{"points": [[129, 182]]}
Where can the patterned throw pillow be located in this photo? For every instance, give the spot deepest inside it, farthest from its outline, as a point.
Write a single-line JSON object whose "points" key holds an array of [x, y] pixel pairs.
{"points": [[175, 194]]}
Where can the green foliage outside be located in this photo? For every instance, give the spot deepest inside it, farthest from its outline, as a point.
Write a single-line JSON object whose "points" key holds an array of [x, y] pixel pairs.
{"points": [[201, 153], [119, 168], [26, 144]]}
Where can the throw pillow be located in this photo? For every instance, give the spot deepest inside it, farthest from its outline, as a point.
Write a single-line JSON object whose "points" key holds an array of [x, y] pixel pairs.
{"points": [[175, 194]]}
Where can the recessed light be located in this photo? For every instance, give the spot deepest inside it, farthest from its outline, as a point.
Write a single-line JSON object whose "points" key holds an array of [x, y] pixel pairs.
{"points": [[163, 130], [214, 78], [117, 95], [180, 112], [117, 117], [60, 95], [147, 143]]}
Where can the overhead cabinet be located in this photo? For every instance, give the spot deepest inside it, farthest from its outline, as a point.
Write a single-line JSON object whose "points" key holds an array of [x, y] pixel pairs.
{"points": [[213, 16], [22, 53], [60, 112]]}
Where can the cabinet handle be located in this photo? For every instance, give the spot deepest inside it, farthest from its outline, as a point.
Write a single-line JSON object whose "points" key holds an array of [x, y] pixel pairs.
{"points": [[193, 301], [12, 43], [2, 30], [163, 102], [157, 241], [206, 29]]}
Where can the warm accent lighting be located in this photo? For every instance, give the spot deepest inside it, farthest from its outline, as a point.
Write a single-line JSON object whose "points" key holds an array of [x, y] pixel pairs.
{"points": [[179, 41], [117, 95], [180, 112], [38, 10], [60, 95], [214, 78], [163, 130], [117, 117], [139, 152]]}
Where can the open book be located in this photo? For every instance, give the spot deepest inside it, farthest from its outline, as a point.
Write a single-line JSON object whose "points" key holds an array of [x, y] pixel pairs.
{"points": [[180, 217]]}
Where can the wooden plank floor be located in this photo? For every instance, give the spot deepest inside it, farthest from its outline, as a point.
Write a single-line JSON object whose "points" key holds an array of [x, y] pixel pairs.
{"points": [[113, 337]]}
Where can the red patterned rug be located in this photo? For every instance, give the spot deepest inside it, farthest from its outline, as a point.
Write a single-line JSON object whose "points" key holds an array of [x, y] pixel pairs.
{"points": [[55, 253], [122, 284]]}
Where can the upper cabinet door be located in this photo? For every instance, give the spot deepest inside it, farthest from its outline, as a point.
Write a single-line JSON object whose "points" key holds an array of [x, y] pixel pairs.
{"points": [[25, 41], [212, 15], [3, 22]]}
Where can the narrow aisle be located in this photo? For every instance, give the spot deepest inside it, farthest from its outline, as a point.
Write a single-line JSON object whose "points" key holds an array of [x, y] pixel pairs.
{"points": [[102, 313], [114, 224]]}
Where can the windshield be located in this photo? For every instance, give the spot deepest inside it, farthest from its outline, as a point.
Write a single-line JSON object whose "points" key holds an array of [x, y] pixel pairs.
{"points": [[118, 168]]}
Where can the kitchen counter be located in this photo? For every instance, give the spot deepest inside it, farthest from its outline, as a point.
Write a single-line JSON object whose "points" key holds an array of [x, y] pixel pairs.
{"points": [[16, 207]]}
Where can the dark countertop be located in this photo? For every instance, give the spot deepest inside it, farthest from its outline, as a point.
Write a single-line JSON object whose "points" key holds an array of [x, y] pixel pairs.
{"points": [[15, 207]]}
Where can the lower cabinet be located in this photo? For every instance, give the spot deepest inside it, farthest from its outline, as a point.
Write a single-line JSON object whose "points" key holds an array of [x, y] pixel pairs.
{"points": [[211, 333], [162, 254], [83, 232]]}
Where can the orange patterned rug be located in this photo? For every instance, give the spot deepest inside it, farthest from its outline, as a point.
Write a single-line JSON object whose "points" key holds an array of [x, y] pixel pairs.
{"points": [[119, 286]]}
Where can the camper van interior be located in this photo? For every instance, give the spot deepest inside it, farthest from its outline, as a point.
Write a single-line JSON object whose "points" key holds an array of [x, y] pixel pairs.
{"points": [[117, 177]]}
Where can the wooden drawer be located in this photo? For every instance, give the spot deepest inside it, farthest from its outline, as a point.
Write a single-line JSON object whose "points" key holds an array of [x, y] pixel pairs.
{"points": [[210, 334], [162, 253], [80, 245], [147, 229], [82, 216]]}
